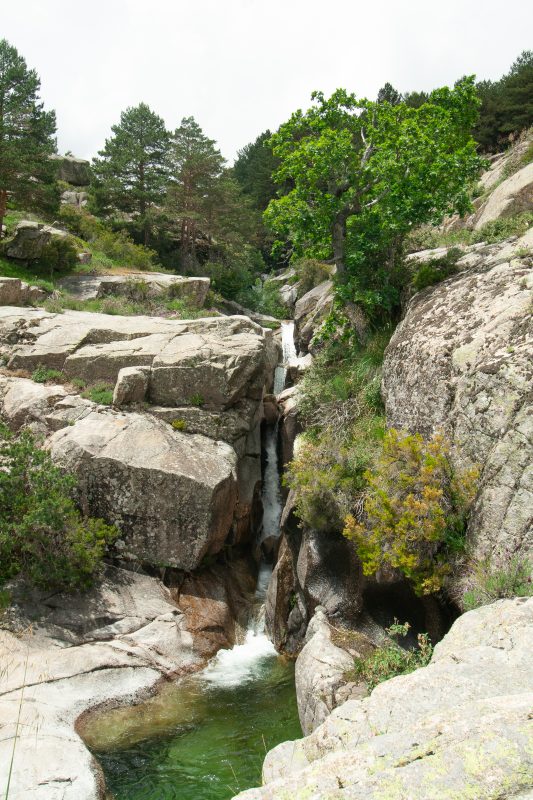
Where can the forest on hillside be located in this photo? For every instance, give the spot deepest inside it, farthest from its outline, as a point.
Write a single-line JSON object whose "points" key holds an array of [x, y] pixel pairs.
{"points": [[340, 185]]}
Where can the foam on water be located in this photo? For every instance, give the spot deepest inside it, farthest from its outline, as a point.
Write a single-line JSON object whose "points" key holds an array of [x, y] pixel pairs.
{"points": [[288, 352]]}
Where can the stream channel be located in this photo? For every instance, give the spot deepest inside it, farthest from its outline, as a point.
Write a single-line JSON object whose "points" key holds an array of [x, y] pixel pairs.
{"points": [[205, 737]]}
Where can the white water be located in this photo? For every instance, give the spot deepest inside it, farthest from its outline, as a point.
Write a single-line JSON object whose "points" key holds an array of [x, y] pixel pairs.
{"points": [[243, 662], [288, 352], [271, 495]]}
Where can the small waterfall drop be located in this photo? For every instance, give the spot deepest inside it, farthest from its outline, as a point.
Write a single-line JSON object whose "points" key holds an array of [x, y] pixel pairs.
{"points": [[288, 353], [241, 664]]}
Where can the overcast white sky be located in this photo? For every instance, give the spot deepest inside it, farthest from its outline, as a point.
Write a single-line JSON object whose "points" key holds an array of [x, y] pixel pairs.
{"points": [[241, 66]]}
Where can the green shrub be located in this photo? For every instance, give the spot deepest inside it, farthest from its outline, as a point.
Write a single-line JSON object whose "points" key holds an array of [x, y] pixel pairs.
{"points": [[437, 269], [101, 393], [504, 227], [339, 401], [415, 511], [43, 374], [59, 255], [179, 424], [391, 660], [42, 535], [487, 583], [310, 273], [196, 400], [264, 298]]}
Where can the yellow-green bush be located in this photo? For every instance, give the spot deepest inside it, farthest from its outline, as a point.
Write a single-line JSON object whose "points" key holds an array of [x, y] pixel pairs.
{"points": [[415, 510]]}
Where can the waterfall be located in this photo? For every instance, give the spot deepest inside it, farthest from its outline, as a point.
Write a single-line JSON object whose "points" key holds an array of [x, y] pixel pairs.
{"points": [[241, 664], [288, 353]]}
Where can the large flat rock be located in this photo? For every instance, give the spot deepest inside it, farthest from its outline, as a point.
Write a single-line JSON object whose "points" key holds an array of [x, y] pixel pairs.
{"points": [[213, 362]]}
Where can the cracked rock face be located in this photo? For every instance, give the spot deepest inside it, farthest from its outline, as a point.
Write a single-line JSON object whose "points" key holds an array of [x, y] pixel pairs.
{"points": [[178, 477], [461, 361], [461, 727]]}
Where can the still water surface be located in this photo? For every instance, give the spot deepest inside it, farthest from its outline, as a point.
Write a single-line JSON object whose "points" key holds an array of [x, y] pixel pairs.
{"points": [[204, 738]]}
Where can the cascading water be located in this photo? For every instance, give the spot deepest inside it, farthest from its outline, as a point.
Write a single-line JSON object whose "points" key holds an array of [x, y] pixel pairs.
{"points": [[205, 737], [288, 353]]}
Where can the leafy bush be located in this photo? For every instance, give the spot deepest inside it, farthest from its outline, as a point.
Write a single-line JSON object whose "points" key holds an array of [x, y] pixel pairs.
{"points": [[504, 227], [179, 424], [59, 255], [310, 273], [43, 374], [340, 402], [118, 247], [437, 269], [415, 511], [42, 535], [264, 297], [391, 660], [101, 393], [487, 583]]}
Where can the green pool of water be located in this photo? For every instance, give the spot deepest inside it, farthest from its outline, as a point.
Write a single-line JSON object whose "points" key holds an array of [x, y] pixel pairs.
{"points": [[204, 738]]}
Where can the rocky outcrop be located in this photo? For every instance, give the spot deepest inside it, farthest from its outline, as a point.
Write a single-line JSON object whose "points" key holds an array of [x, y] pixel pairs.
{"points": [[112, 645], [138, 286], [322, 672], [180, 478], [76, 171], [461, 727], [513, 195], [30, 239], [14, 292], [313, 569], [460, 361], [309, 313]]}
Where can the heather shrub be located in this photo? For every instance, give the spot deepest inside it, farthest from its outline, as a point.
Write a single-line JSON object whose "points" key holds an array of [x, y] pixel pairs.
{"points": [[415, 511]]}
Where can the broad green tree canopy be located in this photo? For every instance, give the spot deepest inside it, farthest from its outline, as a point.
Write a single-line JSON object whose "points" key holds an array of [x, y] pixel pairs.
{"points": [[364, 173]]}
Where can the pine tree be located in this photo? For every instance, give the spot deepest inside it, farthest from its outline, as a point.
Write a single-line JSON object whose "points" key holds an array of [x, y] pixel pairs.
{"points": [[253, 169], [26, 135], [132, 172], [196, 169]]}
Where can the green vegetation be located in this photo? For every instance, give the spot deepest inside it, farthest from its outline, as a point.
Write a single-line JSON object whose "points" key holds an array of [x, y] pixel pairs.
{"points": [[437, 269], [359, 184], [310, 273], [487, 582], [132, 172], [415, 511], [58, 256], [340, 405], [196, 400], [157, 306], [506, 105], [26, 137], [43, 537], [391, 660], [101, 393], [43, 374], [179, 425], [428, 238]]}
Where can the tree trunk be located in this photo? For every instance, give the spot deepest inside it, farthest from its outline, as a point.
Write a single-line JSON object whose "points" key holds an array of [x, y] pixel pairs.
{"points": [[3, 209], [339, 240]]}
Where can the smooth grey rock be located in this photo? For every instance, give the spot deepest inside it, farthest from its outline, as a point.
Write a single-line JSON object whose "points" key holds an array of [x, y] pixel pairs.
{"points": [[131, 386], [173, 496], [515, 194], [461, 727], [460, 362], [29, 240], [112, 643], [76, 171], [309, 313], [14, 292]]}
